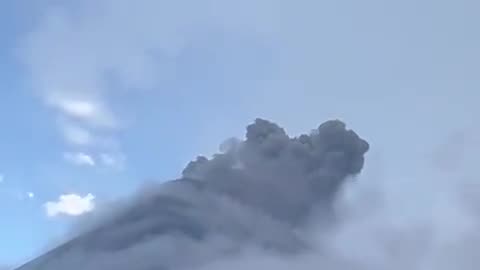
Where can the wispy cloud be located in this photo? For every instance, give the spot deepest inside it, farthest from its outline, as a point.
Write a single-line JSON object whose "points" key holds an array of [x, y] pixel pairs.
{"points": [[79, 159], [88, 111], [113, 160], [70, 205], [75, 50], [77, 135]]}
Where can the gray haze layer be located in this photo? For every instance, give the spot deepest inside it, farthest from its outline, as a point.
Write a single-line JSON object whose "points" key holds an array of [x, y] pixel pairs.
{"points": [[259, 195]]}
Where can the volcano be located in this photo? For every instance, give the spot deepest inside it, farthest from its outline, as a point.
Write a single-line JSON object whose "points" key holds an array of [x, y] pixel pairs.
{"points": [[257, 192]]}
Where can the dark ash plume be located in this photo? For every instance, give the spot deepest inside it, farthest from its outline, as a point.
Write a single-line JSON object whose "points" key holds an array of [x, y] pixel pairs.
{"points": [[257, 193]]}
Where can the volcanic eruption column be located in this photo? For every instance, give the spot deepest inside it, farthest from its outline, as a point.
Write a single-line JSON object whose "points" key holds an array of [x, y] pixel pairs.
{"points": [[257, 193]]}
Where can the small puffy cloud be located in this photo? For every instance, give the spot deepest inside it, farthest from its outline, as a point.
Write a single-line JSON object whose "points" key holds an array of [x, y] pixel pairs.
{"points": [[79, 159], [30, 195], [70, 205]]}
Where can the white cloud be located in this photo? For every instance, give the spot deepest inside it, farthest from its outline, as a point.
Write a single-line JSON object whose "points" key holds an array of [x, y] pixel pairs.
{"points": [[111, 160], [88, 110], [30, 195], [70, 205], [81, 117], [79, 108], [80, 159]]}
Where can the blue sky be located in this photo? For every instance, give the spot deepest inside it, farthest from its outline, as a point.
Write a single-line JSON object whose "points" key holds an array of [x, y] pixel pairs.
{"points": [[98, 97]]}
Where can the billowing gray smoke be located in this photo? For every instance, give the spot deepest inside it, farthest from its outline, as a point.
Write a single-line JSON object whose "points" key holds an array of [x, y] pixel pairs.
{"points": [[258, 193]]}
